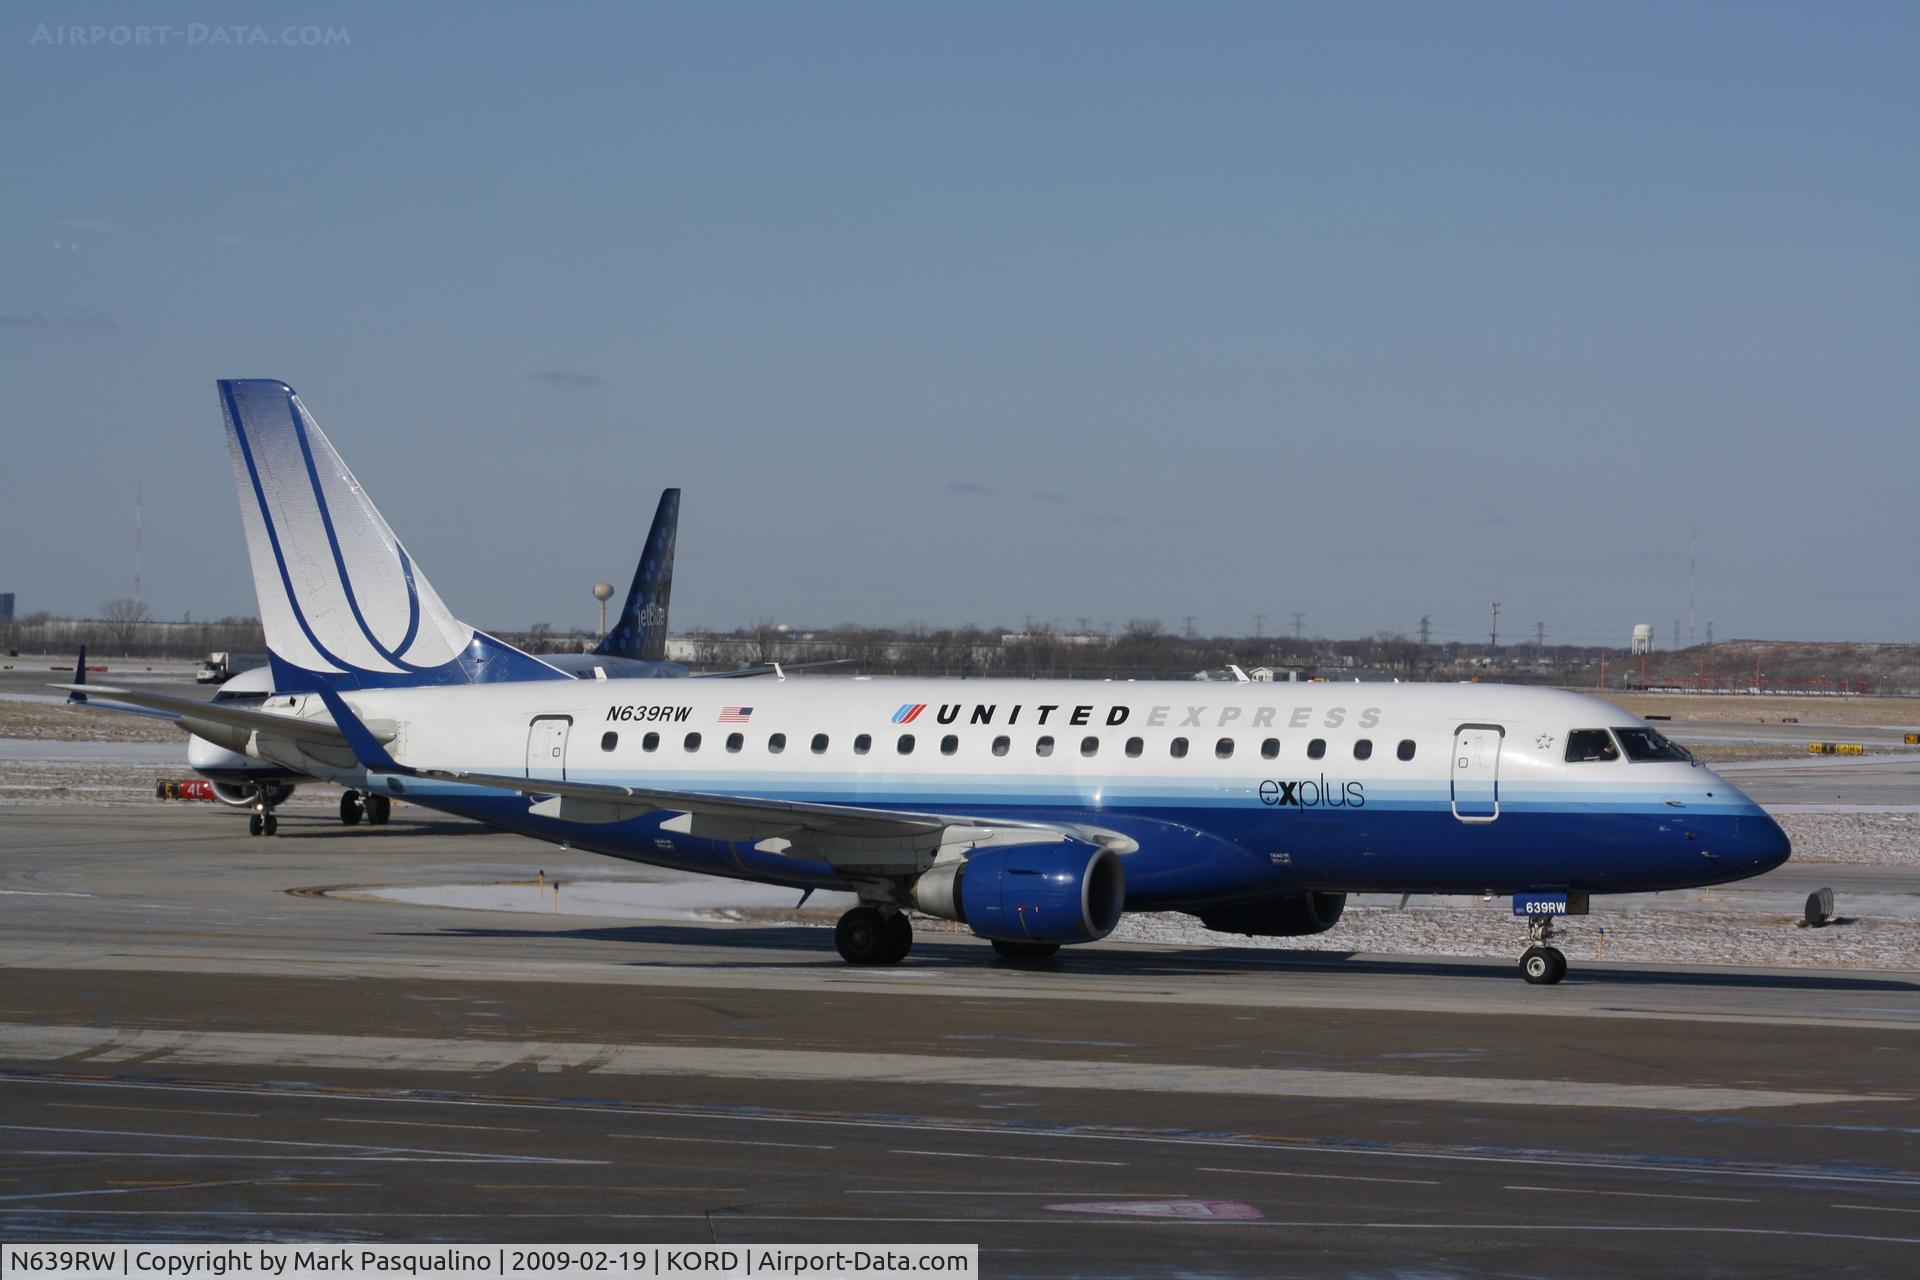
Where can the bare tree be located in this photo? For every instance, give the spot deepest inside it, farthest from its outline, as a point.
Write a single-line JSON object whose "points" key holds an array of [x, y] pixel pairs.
{"points": [[124, 617]]}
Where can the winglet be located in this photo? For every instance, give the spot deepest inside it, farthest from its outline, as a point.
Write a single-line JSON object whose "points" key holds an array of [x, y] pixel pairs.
{"points": [[366, 748], [77, 696]]}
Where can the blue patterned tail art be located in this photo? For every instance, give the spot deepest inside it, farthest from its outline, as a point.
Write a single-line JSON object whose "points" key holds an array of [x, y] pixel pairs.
{"points": [[641, 632], [342, 603]]}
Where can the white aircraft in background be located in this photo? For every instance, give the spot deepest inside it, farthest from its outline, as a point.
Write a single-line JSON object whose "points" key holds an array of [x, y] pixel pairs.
{"points": [[1035, 812]]}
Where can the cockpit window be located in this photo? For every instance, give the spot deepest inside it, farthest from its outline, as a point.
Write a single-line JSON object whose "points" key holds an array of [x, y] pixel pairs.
{"points": [[1590, 744], [1647, 744]]}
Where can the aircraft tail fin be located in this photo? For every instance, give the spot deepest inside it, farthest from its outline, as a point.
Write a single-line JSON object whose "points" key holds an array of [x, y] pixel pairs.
{"points": [[342, 603], [641, 631]]}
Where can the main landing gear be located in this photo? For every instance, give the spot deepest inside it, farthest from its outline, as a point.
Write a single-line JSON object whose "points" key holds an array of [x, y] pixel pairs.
{"points": [[874, 935], [1540, 964], [376, 809], [262, 822]]}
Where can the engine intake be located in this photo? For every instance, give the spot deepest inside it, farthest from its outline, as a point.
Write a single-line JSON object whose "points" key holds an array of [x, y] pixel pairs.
{"points": [[1292, 915], [1029, 893]]}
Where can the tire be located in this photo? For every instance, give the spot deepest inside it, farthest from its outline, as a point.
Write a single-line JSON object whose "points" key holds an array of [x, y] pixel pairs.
{"points": [[862, 936], [1543, 966], [255, 824], [379, 809], [350, 808], [1028, 951], [899, 937], [270, 825]]}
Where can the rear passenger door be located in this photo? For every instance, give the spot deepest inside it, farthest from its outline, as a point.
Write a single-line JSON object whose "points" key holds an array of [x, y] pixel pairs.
{"points": [[1475, 772]]}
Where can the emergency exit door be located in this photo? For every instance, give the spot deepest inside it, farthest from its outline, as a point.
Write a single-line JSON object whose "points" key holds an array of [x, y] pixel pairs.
{"points": [[547, 747], [1476, 772]]}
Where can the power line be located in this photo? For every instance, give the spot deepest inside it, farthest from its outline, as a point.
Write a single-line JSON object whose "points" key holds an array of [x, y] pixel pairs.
{"points": [[1298, 618]]}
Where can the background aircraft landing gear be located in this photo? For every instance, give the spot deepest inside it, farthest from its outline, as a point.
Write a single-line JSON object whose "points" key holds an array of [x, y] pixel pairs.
{"points": [[351, 810], [1028, 951], [379, 809], [869, 935], [263, 823], [1540, 964]]}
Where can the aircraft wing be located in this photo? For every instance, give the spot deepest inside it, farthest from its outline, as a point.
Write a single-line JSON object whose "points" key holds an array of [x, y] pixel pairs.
{"points": [[849, 837], [196, 716]]}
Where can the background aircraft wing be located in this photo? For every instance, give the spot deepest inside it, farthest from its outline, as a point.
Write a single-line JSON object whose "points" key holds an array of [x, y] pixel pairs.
{"points": [[208, 718]]}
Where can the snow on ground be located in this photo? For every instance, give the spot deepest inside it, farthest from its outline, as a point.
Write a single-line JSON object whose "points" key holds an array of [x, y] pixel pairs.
{"points": [[1870, 835]]}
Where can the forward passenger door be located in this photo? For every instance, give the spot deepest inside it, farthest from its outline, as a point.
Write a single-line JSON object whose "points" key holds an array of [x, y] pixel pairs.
{"points": [[1476, 772]]}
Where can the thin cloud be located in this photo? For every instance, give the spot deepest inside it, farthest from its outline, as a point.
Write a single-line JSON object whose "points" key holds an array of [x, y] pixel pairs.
{"points": [[566, 378], [85, 320], [969, 488]]}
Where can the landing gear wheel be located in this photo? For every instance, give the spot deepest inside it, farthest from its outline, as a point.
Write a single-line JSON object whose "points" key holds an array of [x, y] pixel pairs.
{"points": [[899, 937], [351, 810], [863, 936], [1028, 951], [270, 825], [379, 809], [256, 825], [1543, 966]]}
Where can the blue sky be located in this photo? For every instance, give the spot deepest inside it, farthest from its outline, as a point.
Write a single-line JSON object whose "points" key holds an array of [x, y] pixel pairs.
{"points": [[974, 313]]}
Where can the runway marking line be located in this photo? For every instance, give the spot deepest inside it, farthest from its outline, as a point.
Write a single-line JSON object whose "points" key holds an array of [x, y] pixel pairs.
{"points": [[1329, 1177], [718, 1142], [164, 1111], [419, 1124], [128, 1191], [1873, 1208], [979, 1155], [1636, 1195]]}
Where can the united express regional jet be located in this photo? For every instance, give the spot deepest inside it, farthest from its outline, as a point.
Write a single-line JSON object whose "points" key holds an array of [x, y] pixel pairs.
{"points": [[1034, 812]]}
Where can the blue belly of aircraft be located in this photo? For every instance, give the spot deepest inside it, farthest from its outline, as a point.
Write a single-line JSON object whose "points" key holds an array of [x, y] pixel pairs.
{"points": [[1210, 854]]}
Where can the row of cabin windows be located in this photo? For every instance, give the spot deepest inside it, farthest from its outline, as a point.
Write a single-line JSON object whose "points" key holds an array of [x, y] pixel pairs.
{"points": [[1223, 749]]}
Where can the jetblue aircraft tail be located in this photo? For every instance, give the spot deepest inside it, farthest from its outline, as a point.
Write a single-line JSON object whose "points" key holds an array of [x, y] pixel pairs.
{"points": [[641, 632], [342, 603]]}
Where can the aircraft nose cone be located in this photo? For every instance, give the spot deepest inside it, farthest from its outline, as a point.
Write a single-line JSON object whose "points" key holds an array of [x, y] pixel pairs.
{"points": [[1765, 845]]}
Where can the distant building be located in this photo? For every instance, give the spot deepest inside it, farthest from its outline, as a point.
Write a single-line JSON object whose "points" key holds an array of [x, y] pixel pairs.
{"points": [[6, 608]]}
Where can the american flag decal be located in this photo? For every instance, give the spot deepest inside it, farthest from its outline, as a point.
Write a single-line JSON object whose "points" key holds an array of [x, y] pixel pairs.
{"points": [[909, 712], [735, 715]]}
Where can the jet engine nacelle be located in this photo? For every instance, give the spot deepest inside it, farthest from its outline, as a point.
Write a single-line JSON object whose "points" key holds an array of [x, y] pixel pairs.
{"points": [[242, 795], [1029, 893], [1292, 916]]}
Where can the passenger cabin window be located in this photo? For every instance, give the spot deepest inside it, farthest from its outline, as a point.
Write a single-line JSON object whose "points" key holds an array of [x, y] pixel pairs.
{"points": [[735, 741], [692, 742], [1363, 749], [1223, 749], [863, 744], [1642, 745], [1002, 744], [1044, 747], [1089, 746], [905, 745], [819, 744], [949, 744], [1177, 748], [777, 743], [609, 740], [1134, 747], [1270, 749], [1405, 751], [650, 743], [1585, 745], [1316, 749]]}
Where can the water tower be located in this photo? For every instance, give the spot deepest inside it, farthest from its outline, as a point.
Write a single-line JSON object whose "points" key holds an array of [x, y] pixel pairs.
{"points": [[1643, 638], [603, 592]]}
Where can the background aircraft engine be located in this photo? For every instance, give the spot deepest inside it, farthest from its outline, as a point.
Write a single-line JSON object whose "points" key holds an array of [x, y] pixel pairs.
{"points": [[1293, 916], [241, 794], [1029, 893]]}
